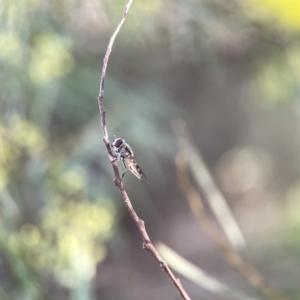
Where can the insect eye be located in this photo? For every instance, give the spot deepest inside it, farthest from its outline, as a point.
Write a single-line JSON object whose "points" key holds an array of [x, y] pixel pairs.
{"points": [[118, 143]]}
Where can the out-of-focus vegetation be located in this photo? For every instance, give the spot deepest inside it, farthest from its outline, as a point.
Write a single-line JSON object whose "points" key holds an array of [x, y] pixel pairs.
{"points": [[230, 69]]}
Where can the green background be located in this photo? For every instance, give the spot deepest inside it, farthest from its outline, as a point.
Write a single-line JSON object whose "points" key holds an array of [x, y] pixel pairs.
{"points": [[229, 69]]}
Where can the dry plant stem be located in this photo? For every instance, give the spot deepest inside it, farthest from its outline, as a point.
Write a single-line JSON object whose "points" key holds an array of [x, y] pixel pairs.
{"points": [[147, 244], [199, 276], [232, 257], [205, 181]]}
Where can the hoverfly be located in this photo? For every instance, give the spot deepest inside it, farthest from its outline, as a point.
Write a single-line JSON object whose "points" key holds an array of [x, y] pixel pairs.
{"points": [[125, 154]]}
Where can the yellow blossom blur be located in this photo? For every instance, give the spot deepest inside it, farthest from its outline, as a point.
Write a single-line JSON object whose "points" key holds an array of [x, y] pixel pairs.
{"points": [[10, 48], [286, 12], [51, 58]]}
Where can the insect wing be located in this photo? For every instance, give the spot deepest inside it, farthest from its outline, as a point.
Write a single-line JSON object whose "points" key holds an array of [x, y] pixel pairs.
{"points": [[144, 176]]}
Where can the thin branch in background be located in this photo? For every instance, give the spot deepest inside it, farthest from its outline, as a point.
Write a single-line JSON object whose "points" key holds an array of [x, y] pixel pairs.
{"points": [[198, 276], [232, 257], [147, 244], [207, 184]]}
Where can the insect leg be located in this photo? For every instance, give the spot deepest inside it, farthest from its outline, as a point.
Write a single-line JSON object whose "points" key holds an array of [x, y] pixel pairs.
{"points": [[117, 157], [125, 166], [123, 174]]}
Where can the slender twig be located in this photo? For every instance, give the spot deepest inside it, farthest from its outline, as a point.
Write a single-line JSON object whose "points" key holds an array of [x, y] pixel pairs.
{"points": [[147, 244], [233, 258]]}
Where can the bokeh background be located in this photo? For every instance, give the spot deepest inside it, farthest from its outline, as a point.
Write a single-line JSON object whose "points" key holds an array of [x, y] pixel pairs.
{"points": [[229, 69]]}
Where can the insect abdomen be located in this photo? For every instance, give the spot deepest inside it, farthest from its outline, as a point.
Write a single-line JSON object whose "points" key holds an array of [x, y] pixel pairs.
{"points": [[133, 167]]}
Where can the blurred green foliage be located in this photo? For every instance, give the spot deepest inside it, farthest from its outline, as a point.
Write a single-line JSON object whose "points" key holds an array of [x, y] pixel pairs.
{"points": [[277, 78], [63, 237]]}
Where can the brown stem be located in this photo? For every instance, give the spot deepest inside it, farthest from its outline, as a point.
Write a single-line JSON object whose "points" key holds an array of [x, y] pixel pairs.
{"points": [[147, 244]]}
